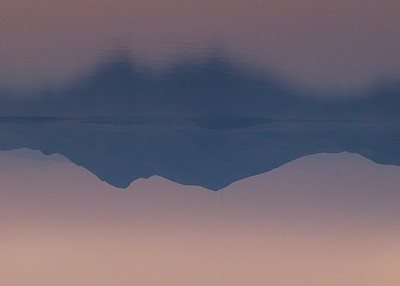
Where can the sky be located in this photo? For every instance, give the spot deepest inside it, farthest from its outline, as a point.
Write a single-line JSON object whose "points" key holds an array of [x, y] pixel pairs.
{"points": [[319, 44], [306, 223]]}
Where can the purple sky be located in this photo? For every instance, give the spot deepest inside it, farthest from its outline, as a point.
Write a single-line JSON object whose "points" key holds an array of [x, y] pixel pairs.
{"points": [[307, 223]]}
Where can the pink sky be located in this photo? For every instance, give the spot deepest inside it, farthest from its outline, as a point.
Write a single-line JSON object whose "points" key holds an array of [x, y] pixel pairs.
{"points": [[307, 223]]}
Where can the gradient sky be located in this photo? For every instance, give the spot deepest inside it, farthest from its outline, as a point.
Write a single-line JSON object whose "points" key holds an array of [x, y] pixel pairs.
{"points": [[308, 223], [324, 44]]}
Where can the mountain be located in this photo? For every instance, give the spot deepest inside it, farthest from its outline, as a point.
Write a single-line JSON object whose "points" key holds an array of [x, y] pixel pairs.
{"points": [[326, 188], [206, 122], [211, 153]]}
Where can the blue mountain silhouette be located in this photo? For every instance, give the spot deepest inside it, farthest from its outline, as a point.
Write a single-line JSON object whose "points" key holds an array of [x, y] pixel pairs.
{"points": [[206, 122]]}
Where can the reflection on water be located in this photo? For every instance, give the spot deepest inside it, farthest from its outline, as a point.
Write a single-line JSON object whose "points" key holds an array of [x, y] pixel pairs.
{"points": [[320, 43]]}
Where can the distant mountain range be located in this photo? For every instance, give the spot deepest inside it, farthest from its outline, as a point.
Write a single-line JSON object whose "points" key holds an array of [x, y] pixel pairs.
{"points": [[210, 152], [207, 123], [320, 187]]}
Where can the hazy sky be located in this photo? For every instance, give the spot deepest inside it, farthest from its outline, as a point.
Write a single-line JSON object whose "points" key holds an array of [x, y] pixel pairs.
{"points": [[316, 42], [307, 223]]}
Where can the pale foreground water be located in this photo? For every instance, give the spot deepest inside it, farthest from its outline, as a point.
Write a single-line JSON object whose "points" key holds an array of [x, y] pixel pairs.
{"points": [[320, 220]]}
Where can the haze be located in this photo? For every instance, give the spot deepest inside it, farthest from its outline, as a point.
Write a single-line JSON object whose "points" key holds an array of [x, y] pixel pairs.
{"points": [[307, 223]]}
